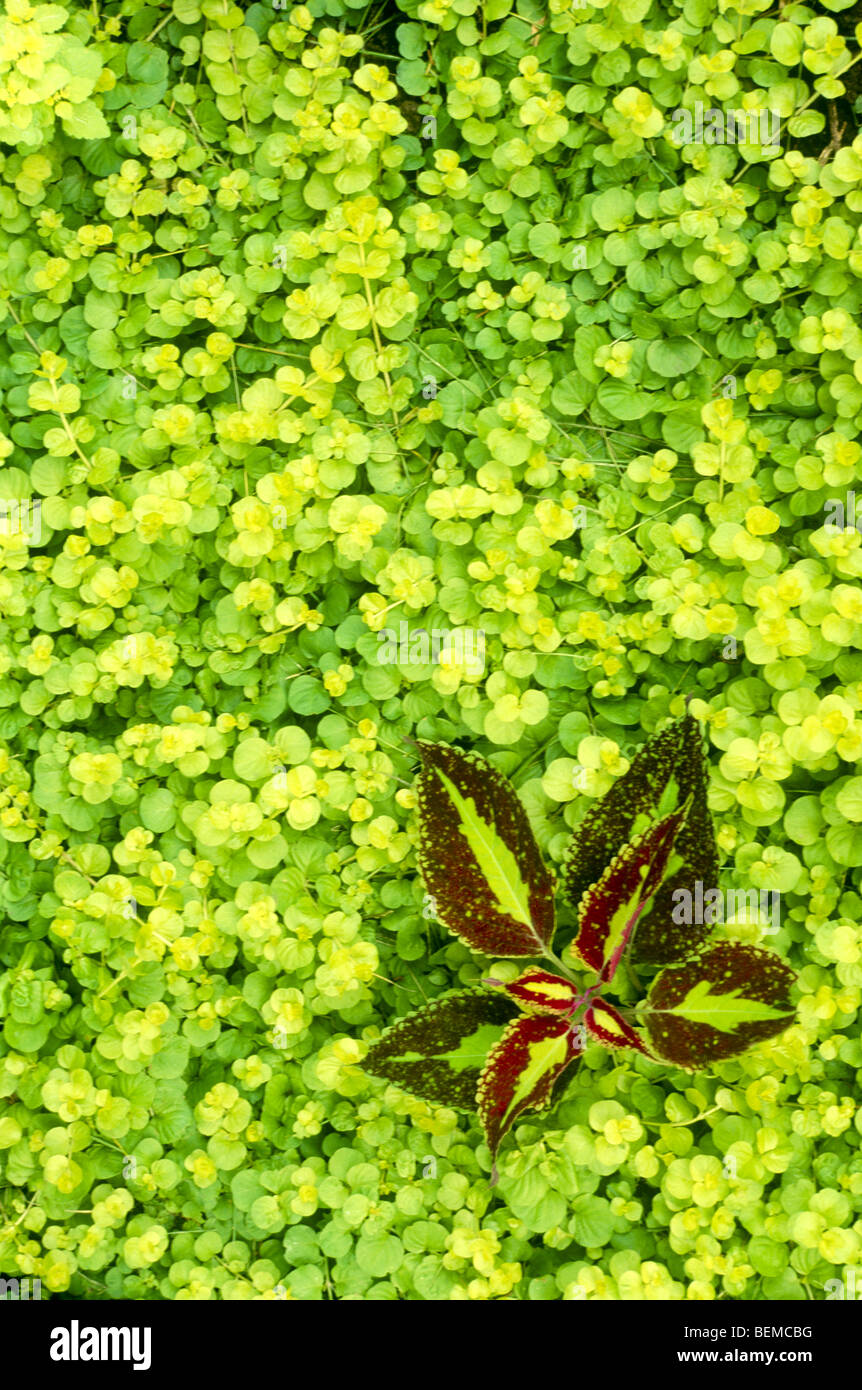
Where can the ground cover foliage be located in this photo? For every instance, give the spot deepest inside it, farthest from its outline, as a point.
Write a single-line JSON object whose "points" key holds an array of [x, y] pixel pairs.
{"points": [[322, 320]]}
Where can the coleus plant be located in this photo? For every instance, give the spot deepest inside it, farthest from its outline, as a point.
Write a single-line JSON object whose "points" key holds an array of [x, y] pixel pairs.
{"points": [[511, 1046]]}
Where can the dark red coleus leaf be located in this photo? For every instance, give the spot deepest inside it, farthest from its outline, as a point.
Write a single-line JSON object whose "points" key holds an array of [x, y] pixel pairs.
{"points": [[482, 867], [522, 1071], [439, 1051], [478, 856], [613, 908], [538, 991], [719, 1004], [669, 771], [607, 1026]]}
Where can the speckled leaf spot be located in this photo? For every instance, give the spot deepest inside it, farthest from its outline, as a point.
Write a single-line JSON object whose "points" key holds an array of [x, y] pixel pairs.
{"points": [[478, 856], [719, 1004], [668, 771], [439, 1051], [522, 1070], [607, 1026], [609, 912], [538, 991]]}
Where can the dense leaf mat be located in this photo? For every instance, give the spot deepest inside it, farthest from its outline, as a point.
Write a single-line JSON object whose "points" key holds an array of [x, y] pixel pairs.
{"points": [[324, 325]]}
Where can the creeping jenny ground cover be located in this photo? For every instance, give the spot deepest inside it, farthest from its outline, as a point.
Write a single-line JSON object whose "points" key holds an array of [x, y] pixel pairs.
{"points": [[325, 319]]}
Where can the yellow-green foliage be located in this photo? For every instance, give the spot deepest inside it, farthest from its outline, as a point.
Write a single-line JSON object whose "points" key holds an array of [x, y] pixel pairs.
{"points": [[321, 320]]}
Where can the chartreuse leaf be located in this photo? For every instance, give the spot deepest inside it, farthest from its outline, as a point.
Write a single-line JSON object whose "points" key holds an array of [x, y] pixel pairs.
{"points": [[84, 121], [522, 1070], [668, 772], [609, 911], [605, 1024], [719, 1004], [478, 856], [538, 991], [439, 1051]]}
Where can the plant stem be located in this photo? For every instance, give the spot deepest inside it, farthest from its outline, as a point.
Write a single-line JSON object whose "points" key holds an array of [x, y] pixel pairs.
{"points": [[552, 956], [165, 21]]}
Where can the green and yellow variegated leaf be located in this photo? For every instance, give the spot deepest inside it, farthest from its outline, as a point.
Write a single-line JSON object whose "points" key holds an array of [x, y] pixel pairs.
{"points": [[722, 1008], [612, 909], [478, 856], [522, 1071], [439, 1051], [719, 1004], [668, 772]]}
